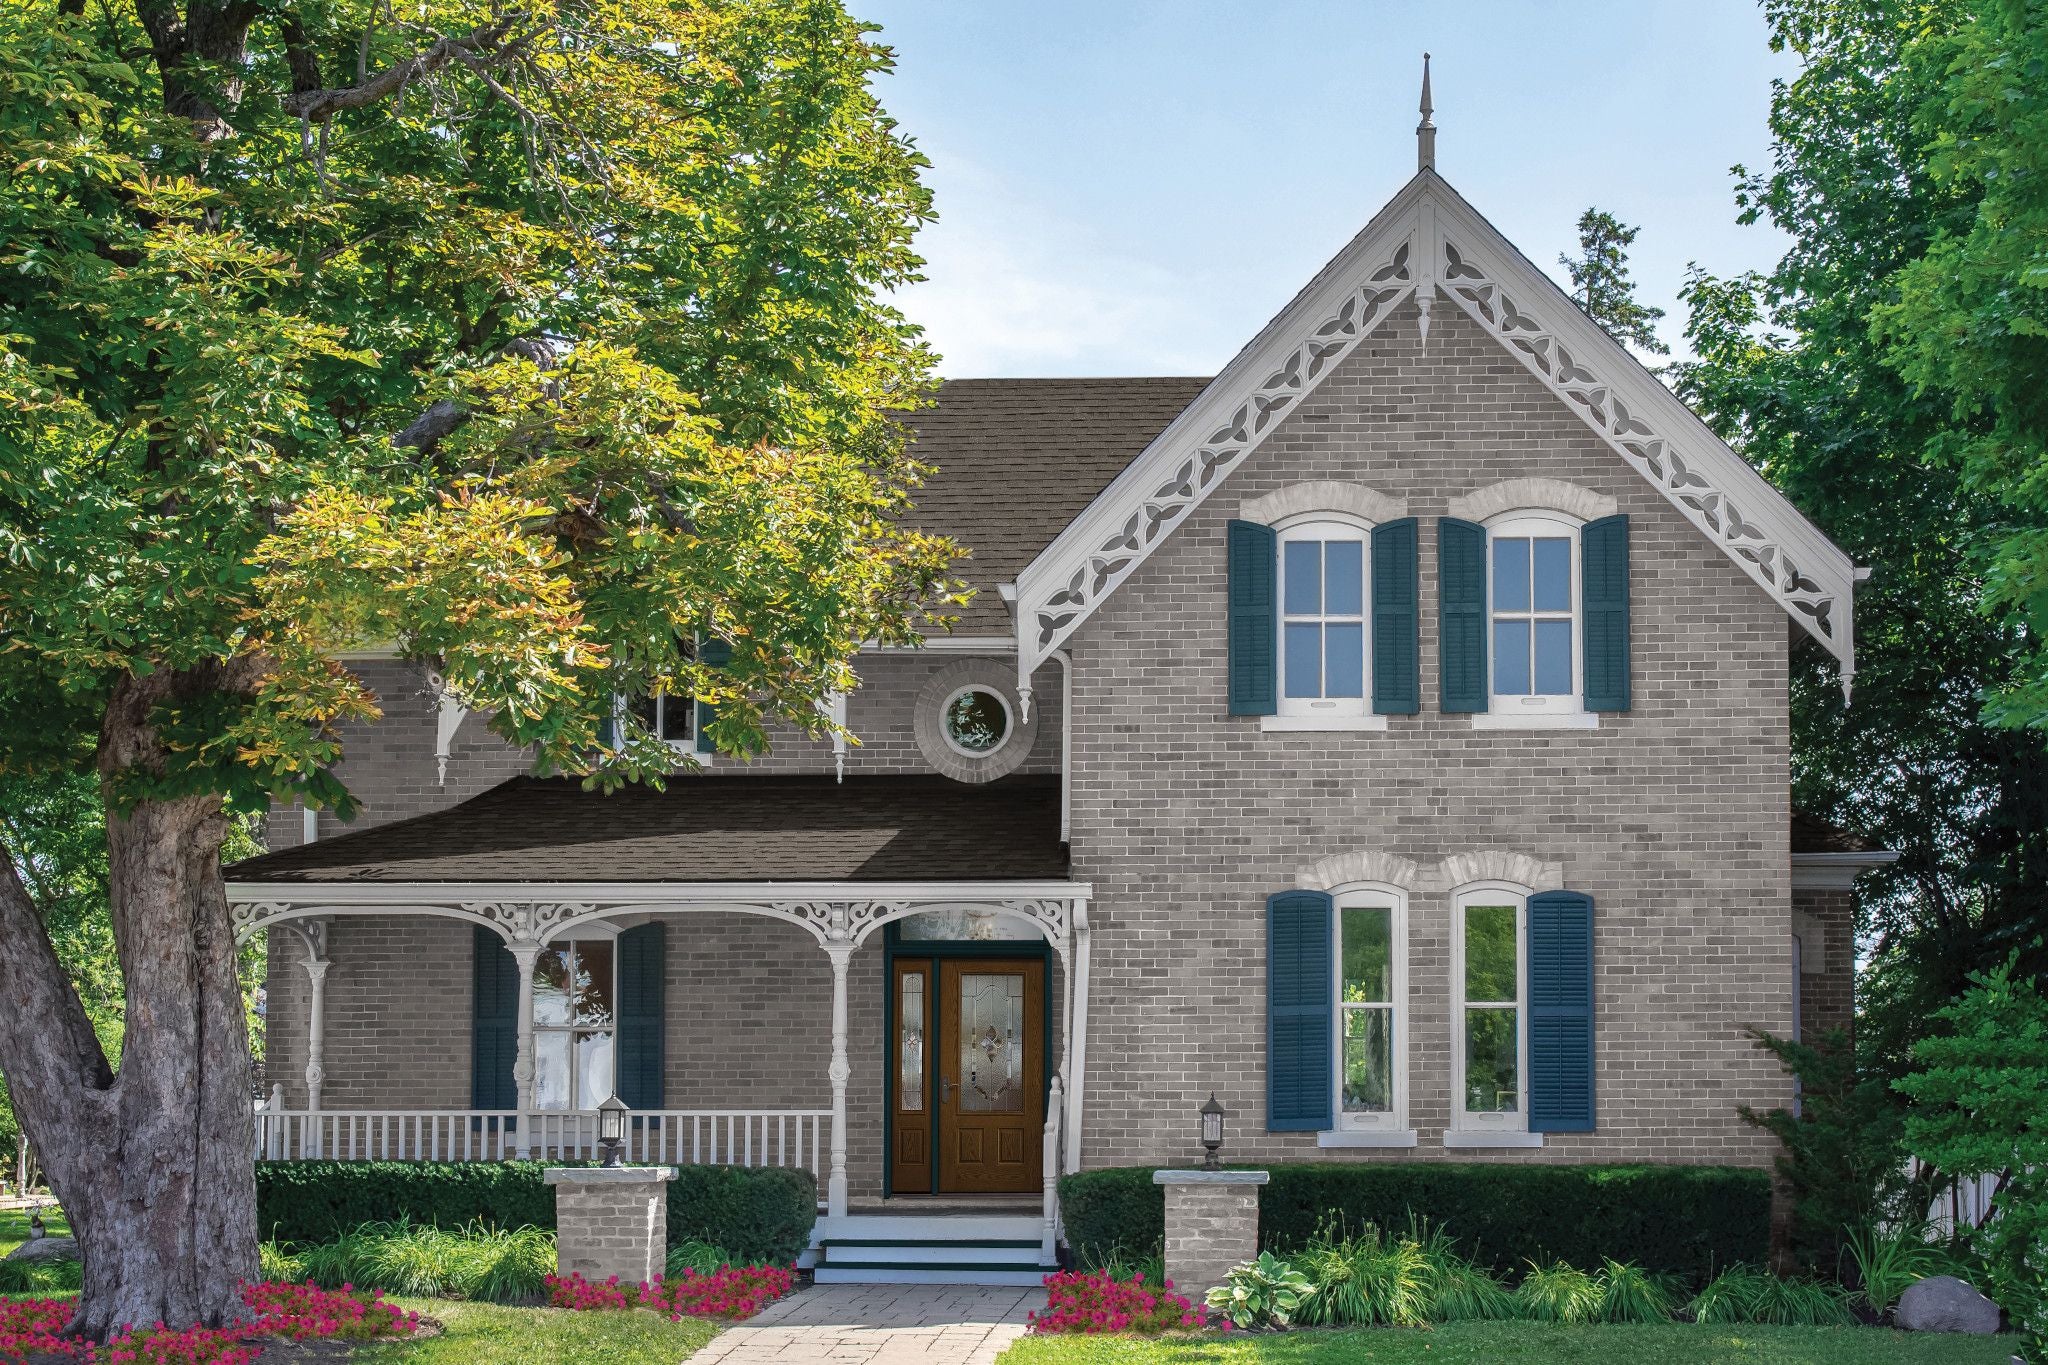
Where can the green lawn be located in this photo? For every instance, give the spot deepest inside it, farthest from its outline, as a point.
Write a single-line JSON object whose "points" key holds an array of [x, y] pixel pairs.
{"points": [[1484, 1343], [14, 1227], [484, 1334]]}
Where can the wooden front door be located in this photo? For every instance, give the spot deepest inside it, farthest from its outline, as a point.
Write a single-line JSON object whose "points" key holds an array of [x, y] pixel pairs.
{"points": [[969, 1062]]}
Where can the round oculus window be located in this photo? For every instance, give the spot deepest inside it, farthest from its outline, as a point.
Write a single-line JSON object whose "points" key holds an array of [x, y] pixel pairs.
{"points": [[976, 721]]}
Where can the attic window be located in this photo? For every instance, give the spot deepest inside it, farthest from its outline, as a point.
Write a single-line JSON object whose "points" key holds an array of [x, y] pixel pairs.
{"points": [[976, 721]]}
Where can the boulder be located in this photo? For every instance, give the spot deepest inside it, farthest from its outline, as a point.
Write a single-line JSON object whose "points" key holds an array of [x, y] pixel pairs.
{"points": [[1943, 1303], [44, 1250]]}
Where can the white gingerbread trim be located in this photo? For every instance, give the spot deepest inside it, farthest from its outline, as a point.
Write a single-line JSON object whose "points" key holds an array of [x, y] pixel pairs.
{"points": [[1428, 239], [1522, 495], [1170, 478], [1323, 495]]}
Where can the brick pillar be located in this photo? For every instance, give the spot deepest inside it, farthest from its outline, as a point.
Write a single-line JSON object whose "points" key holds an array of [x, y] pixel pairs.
{"points": [[610, 1221], [1212, 1224]]}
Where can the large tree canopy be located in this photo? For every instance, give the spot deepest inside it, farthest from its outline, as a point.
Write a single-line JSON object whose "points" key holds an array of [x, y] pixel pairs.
{"points": [[1817, 371], [538, 340]]}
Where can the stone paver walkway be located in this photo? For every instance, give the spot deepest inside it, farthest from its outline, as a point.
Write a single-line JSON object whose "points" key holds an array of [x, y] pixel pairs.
{"points": [[879, 1324]]}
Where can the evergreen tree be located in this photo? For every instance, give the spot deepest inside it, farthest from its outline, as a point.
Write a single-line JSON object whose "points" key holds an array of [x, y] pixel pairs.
{"points": [[1601, 283]]}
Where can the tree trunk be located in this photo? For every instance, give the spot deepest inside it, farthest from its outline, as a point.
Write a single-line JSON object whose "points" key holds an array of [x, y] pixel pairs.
{"points": [[154, 1166]]}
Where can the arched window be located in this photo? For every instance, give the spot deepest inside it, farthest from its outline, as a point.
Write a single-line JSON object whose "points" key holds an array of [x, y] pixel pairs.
{"points": [[1325, 650], [1533, 635]]}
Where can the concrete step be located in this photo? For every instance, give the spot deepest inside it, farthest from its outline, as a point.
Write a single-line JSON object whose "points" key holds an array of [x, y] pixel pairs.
{"points": [[912, 1227], [928, 1274], [1020, 1255]]}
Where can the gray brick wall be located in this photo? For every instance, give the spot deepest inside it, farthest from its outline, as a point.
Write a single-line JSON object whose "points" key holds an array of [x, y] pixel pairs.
{"points": [[1672, 817], [1827, 996]]}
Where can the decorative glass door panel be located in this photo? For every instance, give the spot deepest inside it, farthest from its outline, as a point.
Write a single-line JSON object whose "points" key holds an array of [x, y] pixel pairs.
{"points": [[991, 1081], [910, 1155]]}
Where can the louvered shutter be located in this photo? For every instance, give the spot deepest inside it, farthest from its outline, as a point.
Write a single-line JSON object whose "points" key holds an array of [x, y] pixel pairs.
{"points": [[1300, 1055], [715, 653], [1603, 555], [1253, 621], [493, 1023], [642, 1018], [1461, 608], [1396, 645], [1560, 1012]]}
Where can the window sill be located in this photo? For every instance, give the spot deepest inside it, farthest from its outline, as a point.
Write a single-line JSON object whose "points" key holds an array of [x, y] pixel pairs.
{"points": [[1270, 724], [1536, 720], [1481, 1137], [1364, 1137]]}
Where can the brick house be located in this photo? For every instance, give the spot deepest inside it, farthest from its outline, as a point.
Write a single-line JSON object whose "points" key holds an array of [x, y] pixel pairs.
{"points": [[1388, 734]]}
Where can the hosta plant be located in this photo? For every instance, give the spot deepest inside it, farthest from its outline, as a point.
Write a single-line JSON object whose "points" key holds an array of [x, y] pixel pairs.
{"points": [[1266, 1292]]}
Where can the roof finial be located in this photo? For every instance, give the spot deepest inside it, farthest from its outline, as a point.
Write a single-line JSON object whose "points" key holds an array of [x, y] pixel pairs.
{"points": [[1425, 131]]}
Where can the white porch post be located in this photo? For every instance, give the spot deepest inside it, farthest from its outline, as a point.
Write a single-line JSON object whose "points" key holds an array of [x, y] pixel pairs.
{"points": [[841, 1072], [525, 954], [1077, 1034], [316, 1033]]}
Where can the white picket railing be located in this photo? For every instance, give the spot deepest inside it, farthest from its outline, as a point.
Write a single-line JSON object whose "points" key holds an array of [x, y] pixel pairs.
{"points": [[730, 1137]]}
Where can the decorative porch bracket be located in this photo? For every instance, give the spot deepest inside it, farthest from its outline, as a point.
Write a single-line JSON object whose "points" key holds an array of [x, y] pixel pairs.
{"points": [[838, 922]]}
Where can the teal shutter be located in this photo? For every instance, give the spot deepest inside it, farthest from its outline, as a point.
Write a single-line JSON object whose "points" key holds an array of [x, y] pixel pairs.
{"points": [[1461, 608], [1560, 1012], [493, 1024], [715, 653], [1603, 569], [1396, 644], [1301, 1066], [643, 1022], [1253, 620]]}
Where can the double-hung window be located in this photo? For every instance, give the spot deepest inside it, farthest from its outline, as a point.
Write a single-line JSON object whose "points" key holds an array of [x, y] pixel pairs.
{"points": [[575, 989], [1323, 614], [671, 718], [1533, 611], [1371, 1024], [1490, 970]]}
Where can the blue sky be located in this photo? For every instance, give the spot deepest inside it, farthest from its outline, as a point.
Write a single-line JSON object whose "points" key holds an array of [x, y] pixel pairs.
{"points": [[1135, 186]]}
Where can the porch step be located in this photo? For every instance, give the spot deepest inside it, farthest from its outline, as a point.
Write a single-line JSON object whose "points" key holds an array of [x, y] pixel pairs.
{"points": [[930, 1249]]}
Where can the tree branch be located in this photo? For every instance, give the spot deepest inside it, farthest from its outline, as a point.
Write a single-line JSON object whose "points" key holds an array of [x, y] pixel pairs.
{"points": [[299, 54], [48, 1048], [482, 46]]}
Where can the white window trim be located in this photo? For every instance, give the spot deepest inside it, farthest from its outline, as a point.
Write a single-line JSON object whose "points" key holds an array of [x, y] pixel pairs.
{"points": [[1538, 713], [1468, 1128], [1370, 1130], [1336, 713], [946, 730], [583, 933], [685, 748]]}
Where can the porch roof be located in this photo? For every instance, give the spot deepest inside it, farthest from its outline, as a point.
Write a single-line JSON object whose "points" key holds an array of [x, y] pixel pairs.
{"points": [[703, 829]]}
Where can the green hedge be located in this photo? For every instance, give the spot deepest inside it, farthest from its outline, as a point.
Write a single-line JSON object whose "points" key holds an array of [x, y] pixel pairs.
{"points": [[1682, 1220], [755, 1213]]}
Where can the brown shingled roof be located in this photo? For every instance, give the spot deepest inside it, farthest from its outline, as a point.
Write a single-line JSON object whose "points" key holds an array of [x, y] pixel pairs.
{"points": [[1017, 459], [703, 829]]}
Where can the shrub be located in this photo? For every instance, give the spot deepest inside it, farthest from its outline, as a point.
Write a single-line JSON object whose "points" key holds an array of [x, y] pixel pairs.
{"points": [[1098, 1302], [756, 1213], [761, 1215], [1261, 1293], [1746, 1294], [1671, 1220]]}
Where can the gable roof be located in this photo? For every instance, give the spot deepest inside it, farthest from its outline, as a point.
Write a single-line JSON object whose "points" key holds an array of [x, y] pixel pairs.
{"points": [[701, 829], [1429, 244], [1017, 459]]}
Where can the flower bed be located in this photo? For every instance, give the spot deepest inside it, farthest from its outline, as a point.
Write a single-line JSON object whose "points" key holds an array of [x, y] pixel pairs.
{"points": [[1099, 1302], [300, 1312], [731, 1292]]}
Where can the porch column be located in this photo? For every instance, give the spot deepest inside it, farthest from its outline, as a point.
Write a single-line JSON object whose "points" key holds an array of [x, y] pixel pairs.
{"points": [[841, 1072], [316, 1032], [1077, 1035], [525, 955]]}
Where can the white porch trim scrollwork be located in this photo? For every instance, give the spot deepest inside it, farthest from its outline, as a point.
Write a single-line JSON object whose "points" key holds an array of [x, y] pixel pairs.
{"points": [[839, 916]]}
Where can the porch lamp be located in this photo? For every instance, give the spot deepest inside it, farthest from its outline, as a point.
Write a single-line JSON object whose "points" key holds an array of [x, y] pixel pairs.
{"points": [[611, 1129], [1212, 1132]]}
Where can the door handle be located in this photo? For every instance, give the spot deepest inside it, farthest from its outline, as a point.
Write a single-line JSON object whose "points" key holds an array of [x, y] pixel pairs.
{"points": [[945, 1089]]}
